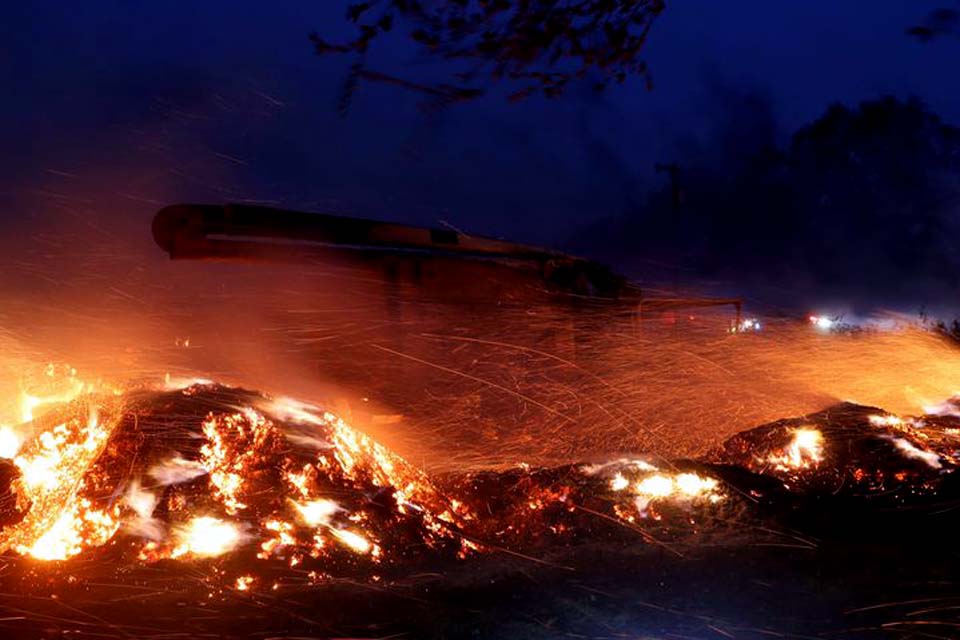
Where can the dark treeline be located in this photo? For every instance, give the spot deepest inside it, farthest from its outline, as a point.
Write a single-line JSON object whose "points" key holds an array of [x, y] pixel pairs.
{"points": [[863, 199]]}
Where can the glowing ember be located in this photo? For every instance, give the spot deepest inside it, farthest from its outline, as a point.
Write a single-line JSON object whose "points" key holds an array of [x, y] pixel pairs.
{"points": [[58, 451], [206, 537], [234, 444], [690, 484], [619, 483], [644, 486], [241, 465], [886, 421], [354, 541], [318, 512], [657, 486]]}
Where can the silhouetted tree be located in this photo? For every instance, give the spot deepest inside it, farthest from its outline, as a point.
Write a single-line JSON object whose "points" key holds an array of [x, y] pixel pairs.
{"points": [[879, 185], [539, 45], [939, 22], [863, 199]]}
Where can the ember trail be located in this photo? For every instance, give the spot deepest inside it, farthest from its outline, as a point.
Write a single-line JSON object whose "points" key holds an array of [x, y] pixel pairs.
{"points": [[629, 452], [208, 470], [230, 491], [197, 488]]}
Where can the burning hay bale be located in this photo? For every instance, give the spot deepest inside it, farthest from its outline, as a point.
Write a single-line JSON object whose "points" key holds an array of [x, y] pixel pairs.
{"points": [[850, 451], [207, 470], [626, 502]]}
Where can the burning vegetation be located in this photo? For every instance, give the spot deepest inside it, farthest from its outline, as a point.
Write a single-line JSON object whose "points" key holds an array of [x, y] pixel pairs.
{"points": [[207, 471], [593, 449], [154, 485]]}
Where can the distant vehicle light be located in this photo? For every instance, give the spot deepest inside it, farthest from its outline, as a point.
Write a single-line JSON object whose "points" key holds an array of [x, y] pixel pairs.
{"points": [[822, 322], [746, 326]]}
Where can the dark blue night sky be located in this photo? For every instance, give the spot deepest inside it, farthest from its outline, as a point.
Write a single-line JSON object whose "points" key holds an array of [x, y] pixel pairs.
{"points": [[132, 104]]}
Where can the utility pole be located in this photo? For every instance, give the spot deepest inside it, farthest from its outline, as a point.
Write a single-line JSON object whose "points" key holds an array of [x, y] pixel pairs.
{"points": [[673, 170]]}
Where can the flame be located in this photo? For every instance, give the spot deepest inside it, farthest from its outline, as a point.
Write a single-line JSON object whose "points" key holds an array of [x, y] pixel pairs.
{"points": [[206, 537], [692, 485], [662, 485], [886, 421], [354, 541], [60, 522], [9, 442], [683, 489], [686, 485], [12, 439], [59, 384], [805, 450], [318, 512], [179, 384], [78, 528], [657, 486], [619, 483]]}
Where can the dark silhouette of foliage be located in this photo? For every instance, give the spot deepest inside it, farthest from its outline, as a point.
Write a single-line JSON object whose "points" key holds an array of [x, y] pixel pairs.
{"points": [[885, 178], [539, 45], [863, 199], [939, 22]]}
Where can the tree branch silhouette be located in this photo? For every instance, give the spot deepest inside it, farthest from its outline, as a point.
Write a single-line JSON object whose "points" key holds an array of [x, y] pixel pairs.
{"points": [[540, 46]]}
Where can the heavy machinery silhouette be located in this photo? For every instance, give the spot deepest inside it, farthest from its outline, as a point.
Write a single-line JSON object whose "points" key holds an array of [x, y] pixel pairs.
{"points": [[442, 264]]}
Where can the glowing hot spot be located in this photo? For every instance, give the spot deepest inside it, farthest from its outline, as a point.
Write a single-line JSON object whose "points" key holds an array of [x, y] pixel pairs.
{"points": [[805, 450], [355, 541], [691, 484], [9, 442], [619, 483], [317, 512], [657, 486], [206, 537]]}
